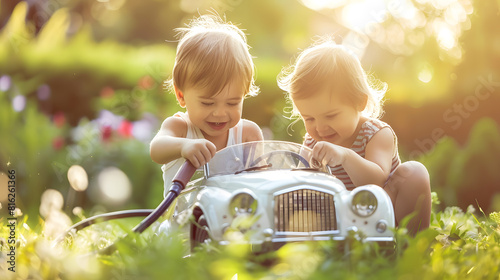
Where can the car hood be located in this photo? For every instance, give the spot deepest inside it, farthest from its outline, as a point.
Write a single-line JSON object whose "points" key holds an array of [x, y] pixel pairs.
{"points": [[276, 180]]}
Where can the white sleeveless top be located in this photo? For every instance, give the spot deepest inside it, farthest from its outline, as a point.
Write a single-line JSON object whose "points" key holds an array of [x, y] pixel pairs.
{"points": [[170, 169]]}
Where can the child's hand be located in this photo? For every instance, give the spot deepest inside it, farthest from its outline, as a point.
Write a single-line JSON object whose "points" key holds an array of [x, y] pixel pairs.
{"points": [[328, 153], [198, 151]]}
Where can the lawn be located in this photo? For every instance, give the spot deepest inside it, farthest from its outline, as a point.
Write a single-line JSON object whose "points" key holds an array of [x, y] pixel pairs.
{"points": [[458, 245]]}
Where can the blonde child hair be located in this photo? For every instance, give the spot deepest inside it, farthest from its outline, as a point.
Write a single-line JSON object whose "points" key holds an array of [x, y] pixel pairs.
{"points": [[200, 62], [328, 64]]}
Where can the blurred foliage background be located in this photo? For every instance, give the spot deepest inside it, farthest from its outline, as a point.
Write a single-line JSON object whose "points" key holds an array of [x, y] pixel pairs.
{"points": [[81, 84]]}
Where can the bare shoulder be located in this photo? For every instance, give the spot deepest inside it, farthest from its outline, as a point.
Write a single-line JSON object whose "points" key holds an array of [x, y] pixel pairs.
{"points": [[173, 126], [251, 131], [382, 148], [384, 140]]}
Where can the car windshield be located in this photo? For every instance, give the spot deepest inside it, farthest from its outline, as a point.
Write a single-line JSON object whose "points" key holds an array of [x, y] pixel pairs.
{"points": [[262, 155]]}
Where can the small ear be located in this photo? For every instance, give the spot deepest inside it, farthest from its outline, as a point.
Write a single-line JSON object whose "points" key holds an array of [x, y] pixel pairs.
{"points": [[180, 97], [362, 103]]}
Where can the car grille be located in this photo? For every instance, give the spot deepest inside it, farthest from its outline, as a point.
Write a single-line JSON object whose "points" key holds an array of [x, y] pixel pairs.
{"points": [[304, 210]]}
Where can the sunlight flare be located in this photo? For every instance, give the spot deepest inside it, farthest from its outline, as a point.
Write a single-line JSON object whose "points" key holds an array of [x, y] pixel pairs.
{"points": [[446, 38], [323, 4], [426, 73], [359, 15], [114, 185], [56, 223], [78, 178], [51, 200]]}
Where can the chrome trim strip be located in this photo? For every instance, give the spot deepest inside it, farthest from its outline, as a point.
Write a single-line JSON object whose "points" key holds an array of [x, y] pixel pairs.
{"points": [[330, 170], [379, 239], [206, 171], [312, 233], [315, 238], [326, 238], [308, 238]]}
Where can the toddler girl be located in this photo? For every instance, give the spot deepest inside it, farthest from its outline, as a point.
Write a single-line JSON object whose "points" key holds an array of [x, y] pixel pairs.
{"points": [[340, 109]]}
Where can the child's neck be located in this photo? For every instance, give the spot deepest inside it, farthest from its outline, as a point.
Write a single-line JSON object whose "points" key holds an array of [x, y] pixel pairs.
{"points": [[219, 141], [349, 142]]}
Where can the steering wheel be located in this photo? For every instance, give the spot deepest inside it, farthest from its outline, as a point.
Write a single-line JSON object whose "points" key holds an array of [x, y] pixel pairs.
{"points": [[269, 155]]}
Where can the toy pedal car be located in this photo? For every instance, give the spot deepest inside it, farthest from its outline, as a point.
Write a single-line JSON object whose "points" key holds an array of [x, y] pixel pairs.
{"points": [[288, 198]]}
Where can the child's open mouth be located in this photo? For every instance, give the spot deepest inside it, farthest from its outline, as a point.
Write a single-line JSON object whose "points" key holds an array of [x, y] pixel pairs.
{"points": [[329, 137], [217, 125]]}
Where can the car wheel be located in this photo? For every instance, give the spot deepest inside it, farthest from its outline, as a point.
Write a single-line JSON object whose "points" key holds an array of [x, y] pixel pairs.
{"points": [[200, 232]]}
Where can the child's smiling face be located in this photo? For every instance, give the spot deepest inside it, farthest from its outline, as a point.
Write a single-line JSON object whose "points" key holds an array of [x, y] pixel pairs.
{"points": [[328, 117], [213, 114]]}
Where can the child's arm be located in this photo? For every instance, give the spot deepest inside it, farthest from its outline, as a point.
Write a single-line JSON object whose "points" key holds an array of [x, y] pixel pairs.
{"points": [[373, 169], [170, 144], [251, 132]]}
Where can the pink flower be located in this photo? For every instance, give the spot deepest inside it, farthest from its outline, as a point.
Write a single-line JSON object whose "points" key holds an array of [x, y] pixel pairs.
{"points": [[107, 92], [59, 119], [106, 133], [125, 129], [146, 82], [58, 143]]}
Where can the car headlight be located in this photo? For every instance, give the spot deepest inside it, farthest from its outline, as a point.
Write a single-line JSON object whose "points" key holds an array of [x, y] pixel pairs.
{"points": [[242, 203], [364, 203]]}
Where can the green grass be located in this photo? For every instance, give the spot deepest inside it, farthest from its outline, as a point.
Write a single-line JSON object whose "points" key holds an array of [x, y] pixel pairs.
{"points": [[459, 245]]}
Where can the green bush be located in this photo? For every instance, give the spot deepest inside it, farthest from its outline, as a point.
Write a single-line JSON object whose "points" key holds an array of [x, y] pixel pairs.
{"points": [[467, 175], [76, 69], [28, 148], [61, 85], [41, 149]]}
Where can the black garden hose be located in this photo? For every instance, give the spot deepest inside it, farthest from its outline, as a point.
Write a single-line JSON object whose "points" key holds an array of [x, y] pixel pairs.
{"points": [[105, 217], [178, 183]]}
